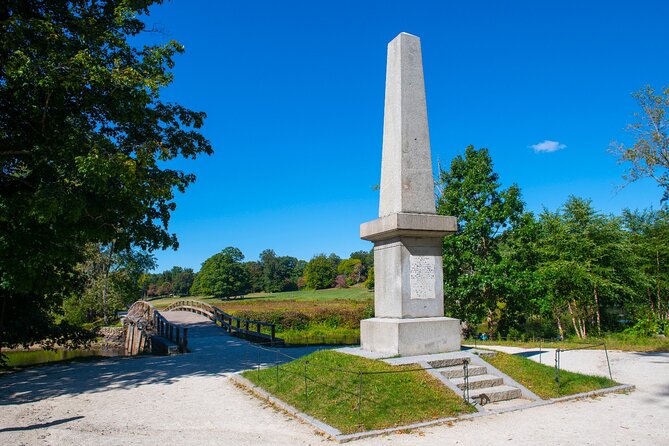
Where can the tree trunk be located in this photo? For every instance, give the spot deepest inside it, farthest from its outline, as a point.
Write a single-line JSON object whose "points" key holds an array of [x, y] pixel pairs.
{"points": [[599, 318], [107, 267], [573, 320], [560, 329], [2, 320], [659, 300]]}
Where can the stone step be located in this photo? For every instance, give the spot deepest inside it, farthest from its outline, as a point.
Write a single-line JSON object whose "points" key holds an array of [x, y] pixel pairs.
{"points": [[447, 362], [458, 371], [494, 394], [479, 381]]}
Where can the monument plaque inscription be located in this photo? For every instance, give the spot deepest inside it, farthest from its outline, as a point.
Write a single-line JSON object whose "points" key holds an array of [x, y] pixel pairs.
{"points": [[421, 277]]}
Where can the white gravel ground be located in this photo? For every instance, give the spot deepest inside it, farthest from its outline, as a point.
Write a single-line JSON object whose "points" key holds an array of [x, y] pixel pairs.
{"points": [[188, 399]]}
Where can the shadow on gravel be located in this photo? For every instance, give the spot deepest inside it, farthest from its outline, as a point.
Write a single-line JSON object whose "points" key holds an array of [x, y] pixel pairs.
{"points": [[41, 425], [213, 352], [530, 353]]}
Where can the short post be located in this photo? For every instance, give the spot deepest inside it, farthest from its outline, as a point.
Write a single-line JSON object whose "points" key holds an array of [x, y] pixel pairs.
{"points": [[273, 333], [306, 386], [557, 366], [465, 374], [607, 361], [359, 397], [540, 350], [276, 360], [184, 340]]}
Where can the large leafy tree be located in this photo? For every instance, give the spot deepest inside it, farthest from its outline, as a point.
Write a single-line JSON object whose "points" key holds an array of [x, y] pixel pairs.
{"points": [[474, 275], [320, 272], [648, 156], [279, 273], [222, 275], [83, 132]]}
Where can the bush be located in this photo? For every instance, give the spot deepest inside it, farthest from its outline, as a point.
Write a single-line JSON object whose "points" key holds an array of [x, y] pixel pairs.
{"points": [[284, 320]]}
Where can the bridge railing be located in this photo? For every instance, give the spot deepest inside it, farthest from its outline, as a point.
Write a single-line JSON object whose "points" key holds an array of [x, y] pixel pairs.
{"points": [[265, 331], [146, 319]]}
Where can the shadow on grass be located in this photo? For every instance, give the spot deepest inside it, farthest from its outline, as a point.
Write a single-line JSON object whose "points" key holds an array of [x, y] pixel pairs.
{"points": [[213, 352]]}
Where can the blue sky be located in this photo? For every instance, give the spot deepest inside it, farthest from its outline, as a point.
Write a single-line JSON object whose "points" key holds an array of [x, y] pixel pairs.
{"points": [[294, 95]]}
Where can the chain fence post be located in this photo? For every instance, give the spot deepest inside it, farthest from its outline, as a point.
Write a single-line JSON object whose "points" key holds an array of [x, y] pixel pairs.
{"points": [[359, 397], [277, 368], [607, 361], [557, 366], [541, 342], [465, 390], [306, 387]]}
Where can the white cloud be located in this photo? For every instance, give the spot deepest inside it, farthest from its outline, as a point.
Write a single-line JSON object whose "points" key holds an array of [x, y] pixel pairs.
{"points": [[548, 146]]}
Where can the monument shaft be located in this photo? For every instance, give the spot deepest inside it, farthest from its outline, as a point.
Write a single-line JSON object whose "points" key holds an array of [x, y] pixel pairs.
{"points": [[408, 295]]}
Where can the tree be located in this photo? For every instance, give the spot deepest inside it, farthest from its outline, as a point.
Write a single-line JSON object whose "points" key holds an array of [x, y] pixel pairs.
{"points": [[649, 154], [649, 238], [319, 272], [366, 257], [278, 273], [112, 282], [222, 275], [352, 270], [586, 265], [83, 138], [473, 268]]}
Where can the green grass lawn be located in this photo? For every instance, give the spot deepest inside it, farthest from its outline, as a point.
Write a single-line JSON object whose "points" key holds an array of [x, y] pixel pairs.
{"points": [[540, 378], [388, 399], [613, 342]]}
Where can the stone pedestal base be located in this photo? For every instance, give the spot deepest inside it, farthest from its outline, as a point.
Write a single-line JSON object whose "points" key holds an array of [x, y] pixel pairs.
{"points": [[410, 337]]}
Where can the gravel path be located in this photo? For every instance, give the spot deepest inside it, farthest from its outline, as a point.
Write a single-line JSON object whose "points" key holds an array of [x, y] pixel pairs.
{"points": [[188, 399]]}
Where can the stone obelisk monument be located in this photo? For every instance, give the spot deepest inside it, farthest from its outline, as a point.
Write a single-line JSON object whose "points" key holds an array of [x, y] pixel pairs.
{"points": [[407, 236]]}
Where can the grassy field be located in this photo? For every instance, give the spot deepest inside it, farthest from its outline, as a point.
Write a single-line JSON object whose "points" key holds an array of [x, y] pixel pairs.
{"points": [[540, 378], [328, 316], [332, 394], [613, 342], [304, 299]]}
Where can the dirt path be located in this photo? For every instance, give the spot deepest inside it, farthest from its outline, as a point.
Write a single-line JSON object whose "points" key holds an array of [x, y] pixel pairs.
{"points": [[188, 399]]}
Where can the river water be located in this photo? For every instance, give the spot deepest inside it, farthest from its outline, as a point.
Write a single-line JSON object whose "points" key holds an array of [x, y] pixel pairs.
{"points": [[33, 357]]}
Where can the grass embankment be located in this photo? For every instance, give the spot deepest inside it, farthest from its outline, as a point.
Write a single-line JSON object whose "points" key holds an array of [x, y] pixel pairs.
{"points": [[540, 378], [388, 399], [613, 342], [330, 316]]}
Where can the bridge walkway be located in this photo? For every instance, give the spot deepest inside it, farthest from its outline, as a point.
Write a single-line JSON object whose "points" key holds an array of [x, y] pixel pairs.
{"points": [[210, 344]]}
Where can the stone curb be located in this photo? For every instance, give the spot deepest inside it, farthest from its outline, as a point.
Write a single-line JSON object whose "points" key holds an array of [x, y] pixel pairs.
{"points": [[344, 438]]}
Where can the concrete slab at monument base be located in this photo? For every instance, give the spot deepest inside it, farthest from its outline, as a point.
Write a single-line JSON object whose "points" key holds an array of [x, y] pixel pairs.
{"points": [[415, 336]]}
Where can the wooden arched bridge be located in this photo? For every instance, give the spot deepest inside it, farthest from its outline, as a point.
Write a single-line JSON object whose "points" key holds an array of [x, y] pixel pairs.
{"points": [[146, 329]]}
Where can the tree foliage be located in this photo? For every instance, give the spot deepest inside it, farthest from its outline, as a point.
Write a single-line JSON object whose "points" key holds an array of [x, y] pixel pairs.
{"points": [[222, 275], [474, 284], [177, 281], [320, 272], [648, 156], [111, 282], [279, 273], [82, 134], [586, 264]]}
